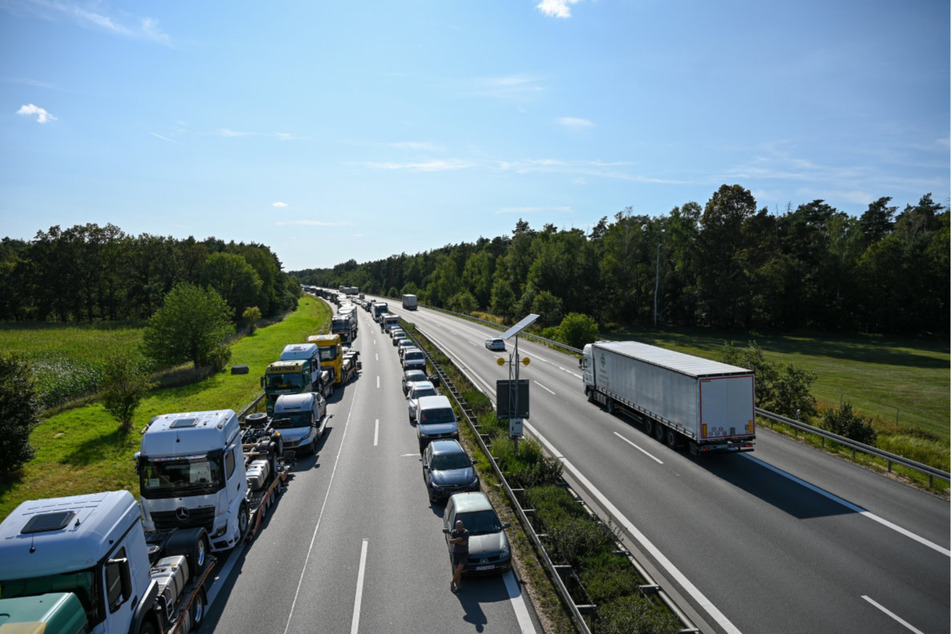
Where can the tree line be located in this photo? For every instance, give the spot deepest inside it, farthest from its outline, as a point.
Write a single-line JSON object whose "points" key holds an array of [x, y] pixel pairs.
{"points": [[724, 265], [89, 272]]}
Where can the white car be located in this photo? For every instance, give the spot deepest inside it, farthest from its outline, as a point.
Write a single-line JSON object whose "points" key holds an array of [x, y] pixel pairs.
{"points": [[495, 344], [417, 390]]}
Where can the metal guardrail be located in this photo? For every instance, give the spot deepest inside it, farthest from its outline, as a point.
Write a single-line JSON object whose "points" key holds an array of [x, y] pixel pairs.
{"points": [[553, 569], [854, 445]]}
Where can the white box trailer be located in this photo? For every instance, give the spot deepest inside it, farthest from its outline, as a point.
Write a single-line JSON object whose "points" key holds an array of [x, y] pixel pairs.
{"points": [[679, 397]]}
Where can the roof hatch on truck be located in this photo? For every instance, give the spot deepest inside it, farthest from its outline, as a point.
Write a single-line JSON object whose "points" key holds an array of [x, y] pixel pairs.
{"points": [[48, 522]]}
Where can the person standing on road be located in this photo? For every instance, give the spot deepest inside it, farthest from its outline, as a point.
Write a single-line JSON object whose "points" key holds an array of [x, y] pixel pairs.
{"points": [[459, 538]]}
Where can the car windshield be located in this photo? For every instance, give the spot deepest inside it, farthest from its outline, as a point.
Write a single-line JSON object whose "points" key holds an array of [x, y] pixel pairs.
{"points": [[415, 375], [447, 461], [441, 415], [184, 475], [413, 355], [290, 420], [480, 522]]}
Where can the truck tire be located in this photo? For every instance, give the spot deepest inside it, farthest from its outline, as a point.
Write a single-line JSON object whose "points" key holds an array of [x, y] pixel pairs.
{"points": [[198, 608], [244, 519], [672, 438], [659, 431], [147, 627], [193, 544]]}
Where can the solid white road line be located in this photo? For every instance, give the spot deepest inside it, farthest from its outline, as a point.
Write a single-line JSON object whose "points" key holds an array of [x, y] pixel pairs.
{"points": [[654, 458], [858, 509], [524, 619], [355, 622], [666, 564], [892, 615]]}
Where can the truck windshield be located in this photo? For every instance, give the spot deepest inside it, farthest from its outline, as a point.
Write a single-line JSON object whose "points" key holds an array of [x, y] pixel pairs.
{"points": [[82, 583], [284, 381], [290, 420], [328, 354], [181, 475]]}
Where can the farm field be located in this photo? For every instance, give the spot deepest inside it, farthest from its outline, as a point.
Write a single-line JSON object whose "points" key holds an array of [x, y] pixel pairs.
{"points": [[80, 450]]}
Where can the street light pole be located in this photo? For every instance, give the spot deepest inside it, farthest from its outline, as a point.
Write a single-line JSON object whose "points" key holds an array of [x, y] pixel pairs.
{"points": [[657, 277]]}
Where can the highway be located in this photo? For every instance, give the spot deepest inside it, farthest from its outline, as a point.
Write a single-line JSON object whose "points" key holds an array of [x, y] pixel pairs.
{"points": [[354, 545], [783, 539]]}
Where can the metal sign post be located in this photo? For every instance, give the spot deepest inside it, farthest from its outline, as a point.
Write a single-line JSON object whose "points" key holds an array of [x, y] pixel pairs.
{"points": [[509, 403]]}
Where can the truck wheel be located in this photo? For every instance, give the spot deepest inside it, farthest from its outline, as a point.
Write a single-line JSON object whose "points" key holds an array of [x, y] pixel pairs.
{"points": [[672, 438], [659, 432], [147, 627], [244, 519], [198, 608]]}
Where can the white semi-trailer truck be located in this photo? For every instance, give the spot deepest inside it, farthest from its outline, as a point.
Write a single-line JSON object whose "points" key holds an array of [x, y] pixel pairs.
{"points": [[678, 397]]}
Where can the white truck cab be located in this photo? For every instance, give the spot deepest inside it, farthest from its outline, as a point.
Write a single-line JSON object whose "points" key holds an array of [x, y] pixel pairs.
{"points": [[192, 473]]}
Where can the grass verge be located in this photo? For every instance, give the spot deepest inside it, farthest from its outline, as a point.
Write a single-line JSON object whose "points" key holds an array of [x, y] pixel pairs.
{"points": [[81, 450]]}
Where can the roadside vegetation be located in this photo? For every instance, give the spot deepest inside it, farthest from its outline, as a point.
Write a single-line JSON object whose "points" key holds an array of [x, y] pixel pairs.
{"points": [[85, 449], [599, 573]]}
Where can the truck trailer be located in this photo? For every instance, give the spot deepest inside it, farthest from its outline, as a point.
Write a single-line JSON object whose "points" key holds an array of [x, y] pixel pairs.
{"points": [[410, 302], [678, 397], [84, 563]]}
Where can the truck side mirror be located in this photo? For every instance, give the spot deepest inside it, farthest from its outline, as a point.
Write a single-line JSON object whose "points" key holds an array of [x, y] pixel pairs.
{"points": [[262, 381]]}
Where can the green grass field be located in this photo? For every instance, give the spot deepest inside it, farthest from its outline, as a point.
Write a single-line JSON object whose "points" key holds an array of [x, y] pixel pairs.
{"points": [[81, 450]]}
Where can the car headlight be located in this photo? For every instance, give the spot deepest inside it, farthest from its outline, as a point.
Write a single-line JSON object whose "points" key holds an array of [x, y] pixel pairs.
{"points": [[505, 551]]}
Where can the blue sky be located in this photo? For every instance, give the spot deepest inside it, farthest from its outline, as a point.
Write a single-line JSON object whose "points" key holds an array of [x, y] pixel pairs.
{"points": [[338, 130]]}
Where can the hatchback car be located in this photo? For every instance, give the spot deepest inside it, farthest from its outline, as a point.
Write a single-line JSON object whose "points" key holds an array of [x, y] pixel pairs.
{"points": [[447, 469], [489, 551], [416, 391], [495, 344]]}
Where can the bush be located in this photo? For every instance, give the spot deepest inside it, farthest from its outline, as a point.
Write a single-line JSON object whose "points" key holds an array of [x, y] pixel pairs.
{"points": [[217, 358], [18, 407], [577, 329], [573, 538], [607, 576], [124, 385], [251, 316], [634, 615], [841, 420]]}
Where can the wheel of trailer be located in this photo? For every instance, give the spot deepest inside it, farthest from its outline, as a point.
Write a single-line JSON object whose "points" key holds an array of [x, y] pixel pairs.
{"points": [[198, 608], [244, 519], [590, 394], [672, 438], [659, 431]]}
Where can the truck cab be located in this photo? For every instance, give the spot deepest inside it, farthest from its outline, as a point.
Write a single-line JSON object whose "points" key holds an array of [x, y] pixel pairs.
{"points": [[331, 354], [192, 472], [83, 564], [300, 418]]}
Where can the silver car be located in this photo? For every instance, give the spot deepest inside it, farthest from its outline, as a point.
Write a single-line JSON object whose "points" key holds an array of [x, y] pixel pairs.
{"points": [[417, 390], [489, 551]]}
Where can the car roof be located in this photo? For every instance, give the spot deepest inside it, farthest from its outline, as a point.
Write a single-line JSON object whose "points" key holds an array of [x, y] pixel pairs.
{"points": [[447, 446], [472, 501], [409, 374], [421, 385], [434, 401]]}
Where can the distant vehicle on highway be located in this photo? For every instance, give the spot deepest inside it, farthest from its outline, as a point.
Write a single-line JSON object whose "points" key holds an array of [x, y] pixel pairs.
{"points": [[495, 344]]}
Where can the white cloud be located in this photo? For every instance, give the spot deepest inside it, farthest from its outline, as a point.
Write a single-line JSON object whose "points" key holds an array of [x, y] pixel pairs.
{"points": [[575, 122], [42, 116], [508, 87], [279, 204], [164, 138], [556, 8], [428, 166], [90, 15]]}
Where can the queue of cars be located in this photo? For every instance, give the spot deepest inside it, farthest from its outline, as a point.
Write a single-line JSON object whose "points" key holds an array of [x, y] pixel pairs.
{"points": [[448, 471]]}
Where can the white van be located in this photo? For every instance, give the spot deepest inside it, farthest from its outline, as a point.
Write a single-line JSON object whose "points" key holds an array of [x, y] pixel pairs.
{"points": [[435, 420]]}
